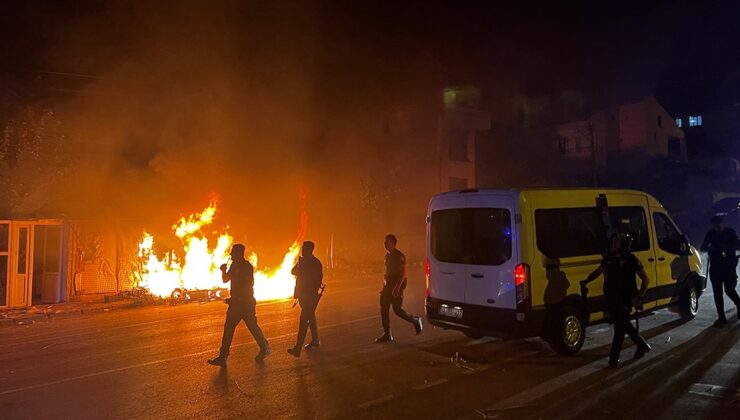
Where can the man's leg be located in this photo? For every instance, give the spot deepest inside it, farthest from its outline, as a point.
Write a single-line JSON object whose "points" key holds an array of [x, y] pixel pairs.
{"points": [[730, 284], [400, 312], [385, 306], [620, 321], [232, 320], [250, 318], [398, 309], [719, 299], [312, 322], [634, 335], [302, 326]]}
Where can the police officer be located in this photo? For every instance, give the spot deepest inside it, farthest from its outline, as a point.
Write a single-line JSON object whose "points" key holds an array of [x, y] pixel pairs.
{"points": [[308, 283], [393, 286], [242, 306], [720, 243], [620, 268]]}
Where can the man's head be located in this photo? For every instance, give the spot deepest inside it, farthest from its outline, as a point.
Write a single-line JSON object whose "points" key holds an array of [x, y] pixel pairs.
{"points": [[717, 222], [390, 242], [307, 248], [237, 251]]}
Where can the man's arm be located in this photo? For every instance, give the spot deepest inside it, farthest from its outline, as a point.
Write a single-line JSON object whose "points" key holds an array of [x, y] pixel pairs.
{"points": [[224, 274], [593, 276], [706, 244]]}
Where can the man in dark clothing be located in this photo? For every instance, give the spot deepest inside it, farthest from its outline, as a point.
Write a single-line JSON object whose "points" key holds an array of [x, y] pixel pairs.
{"points": [[620, 268], [242, 306], [720, 243], [393, 286], [308, 283]]}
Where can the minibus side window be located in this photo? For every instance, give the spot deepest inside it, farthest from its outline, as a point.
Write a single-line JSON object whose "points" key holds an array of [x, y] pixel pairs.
{"points": [[569, 232], [668, 236], [631, 220]]}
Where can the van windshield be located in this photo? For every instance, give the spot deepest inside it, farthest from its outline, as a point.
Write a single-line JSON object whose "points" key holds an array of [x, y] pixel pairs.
{"points": [[480, 236]]}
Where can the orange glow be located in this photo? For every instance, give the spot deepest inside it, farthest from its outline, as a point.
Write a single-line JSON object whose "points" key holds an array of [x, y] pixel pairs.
{"points": [[198, 268]]}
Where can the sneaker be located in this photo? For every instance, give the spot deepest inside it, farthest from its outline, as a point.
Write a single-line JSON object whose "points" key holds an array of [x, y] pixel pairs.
{"points": [[218, 361], [385, 338], [264, 352], [312, 345], [295, 351], [719, 323], [418, 326]]}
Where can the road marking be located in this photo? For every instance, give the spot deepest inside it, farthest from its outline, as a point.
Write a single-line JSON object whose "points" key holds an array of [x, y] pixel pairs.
{"points": [[712, 391], [430, 384], [377, 401], [528, 396], [37, 338], [160, 361]]}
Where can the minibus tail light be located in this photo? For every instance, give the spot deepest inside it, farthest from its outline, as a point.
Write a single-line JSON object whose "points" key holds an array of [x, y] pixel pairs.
{"points": [[426, 275], [523, 287]]}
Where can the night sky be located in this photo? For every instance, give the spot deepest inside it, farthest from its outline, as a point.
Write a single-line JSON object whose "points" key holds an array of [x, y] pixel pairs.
{"points": [[686, 52]]}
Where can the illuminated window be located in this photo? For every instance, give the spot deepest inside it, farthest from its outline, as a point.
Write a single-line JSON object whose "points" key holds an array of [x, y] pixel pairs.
{"points": [[695, 121], [679, 122]]}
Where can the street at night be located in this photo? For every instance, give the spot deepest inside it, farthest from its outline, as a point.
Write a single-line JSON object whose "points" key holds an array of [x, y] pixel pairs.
{"points": [[151, 363], [238, 209]]}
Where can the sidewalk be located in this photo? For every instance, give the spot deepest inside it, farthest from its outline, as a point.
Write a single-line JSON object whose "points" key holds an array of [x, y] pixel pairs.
{"points": [[40, 313]]}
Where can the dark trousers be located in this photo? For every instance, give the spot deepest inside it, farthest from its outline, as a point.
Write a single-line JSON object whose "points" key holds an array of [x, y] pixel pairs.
{"points": [[622, 326], [727, 279], [308, 320], [237, 312], [386, 301]]}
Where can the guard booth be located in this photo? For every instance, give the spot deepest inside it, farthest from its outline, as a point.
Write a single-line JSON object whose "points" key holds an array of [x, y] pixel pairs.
{"points": [[33, 262]]}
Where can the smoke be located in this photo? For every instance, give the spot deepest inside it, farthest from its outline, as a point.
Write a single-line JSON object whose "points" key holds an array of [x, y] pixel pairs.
{"points": [[168, 104]]}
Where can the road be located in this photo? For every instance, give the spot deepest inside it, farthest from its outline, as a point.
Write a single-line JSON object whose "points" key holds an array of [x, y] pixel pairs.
{"points": [[150, 363]]}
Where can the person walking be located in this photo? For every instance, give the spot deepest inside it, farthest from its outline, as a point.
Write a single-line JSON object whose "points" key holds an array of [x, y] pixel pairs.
{"points": [[308, 285], [394, 285], [242, 306], [620, 268], [720, 243]]}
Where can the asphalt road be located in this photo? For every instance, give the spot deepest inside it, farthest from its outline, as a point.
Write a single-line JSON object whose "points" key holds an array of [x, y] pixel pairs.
{"points": [[150, 363]]}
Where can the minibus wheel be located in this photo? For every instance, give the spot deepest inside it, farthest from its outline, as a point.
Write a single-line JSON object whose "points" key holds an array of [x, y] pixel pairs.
{"points": [[688, 304], [568, 331]]}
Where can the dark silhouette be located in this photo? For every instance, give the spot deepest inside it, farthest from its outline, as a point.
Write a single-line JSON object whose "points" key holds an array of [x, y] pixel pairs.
{"points": [[393, 286], [721, 243], [308, 290], [242, 306], [620, 268]]}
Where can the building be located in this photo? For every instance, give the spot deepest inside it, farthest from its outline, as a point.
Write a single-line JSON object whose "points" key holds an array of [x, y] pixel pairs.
{"points": [[459, 124], [624, 137], [46, 261]]}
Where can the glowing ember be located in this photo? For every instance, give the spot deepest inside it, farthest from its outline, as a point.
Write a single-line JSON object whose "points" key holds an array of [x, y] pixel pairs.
{"points": [[199, 268]]}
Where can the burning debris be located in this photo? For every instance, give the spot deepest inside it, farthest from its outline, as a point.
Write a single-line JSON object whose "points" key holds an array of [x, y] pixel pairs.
{"points": [[194, 274]]}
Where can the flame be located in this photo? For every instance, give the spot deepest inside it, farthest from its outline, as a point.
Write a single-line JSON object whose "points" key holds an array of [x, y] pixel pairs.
{"points": [[199, 267]]}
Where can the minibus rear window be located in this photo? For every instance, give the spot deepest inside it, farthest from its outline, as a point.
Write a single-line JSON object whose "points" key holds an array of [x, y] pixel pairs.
{"points": [[480, 236]]}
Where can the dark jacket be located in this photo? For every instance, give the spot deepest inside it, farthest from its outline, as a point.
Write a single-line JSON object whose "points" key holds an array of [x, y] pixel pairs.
{"points": [[241, 276], [395, 270], [620, 278], [309, 275], [721, 246]]}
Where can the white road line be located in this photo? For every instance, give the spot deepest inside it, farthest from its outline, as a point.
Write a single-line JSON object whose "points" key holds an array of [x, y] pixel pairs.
{"points": [[160, 361], [430, 384], [530, 395], [377, 401], [98, 329]]}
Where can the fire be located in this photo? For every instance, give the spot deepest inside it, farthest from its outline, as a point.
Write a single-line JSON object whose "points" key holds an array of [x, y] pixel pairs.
{"points": [[198, 268]]}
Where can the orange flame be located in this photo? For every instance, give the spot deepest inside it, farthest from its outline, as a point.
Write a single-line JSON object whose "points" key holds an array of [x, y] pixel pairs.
{"points": [[199, 267]]}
